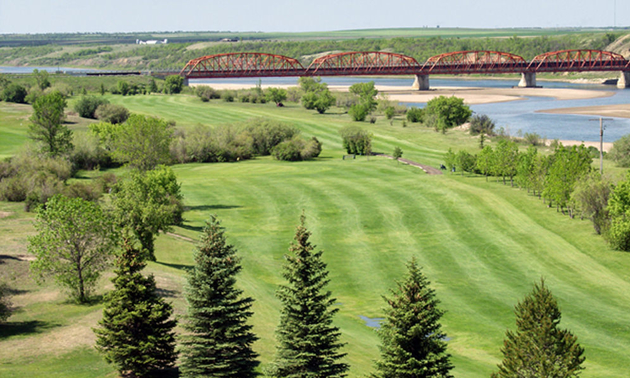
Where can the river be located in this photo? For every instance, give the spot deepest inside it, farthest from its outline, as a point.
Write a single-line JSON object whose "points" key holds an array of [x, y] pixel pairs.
{"points": [[517, 117]]}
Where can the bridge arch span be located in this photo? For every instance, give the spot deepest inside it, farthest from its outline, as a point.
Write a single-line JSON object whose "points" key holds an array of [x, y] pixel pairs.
{"points": [[478, 61], [363, 63], [578, 60], [244, 64]]}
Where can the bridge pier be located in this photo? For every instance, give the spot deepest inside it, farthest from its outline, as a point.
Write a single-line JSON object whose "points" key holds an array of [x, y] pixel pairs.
{"points": [[528, 80], [421, 83], [624, 80], [186, 82]]}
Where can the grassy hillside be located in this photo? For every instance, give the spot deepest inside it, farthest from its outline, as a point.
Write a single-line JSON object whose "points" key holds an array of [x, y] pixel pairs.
{"points": [[419, 43], [481, 244]]}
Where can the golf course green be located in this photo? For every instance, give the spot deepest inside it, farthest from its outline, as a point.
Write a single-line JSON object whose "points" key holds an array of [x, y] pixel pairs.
{"points": [[481, 244]]}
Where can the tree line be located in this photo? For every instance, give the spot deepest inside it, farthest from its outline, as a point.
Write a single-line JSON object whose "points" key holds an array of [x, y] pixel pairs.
{"points": [[176, 55], [564, 179]]}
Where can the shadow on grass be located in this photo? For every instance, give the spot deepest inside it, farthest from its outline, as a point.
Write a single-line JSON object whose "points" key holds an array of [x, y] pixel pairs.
{"points": [[8, 257], [9, 329], [211, 207], [166, 293], [191, 228], [176, 266]]}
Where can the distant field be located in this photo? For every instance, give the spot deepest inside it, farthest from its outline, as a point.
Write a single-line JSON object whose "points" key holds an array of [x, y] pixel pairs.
{"points": [[481, 244]]}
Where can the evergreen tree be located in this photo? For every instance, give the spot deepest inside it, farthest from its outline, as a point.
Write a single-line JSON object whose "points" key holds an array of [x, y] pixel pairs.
{"points": [[538, 348], [136, 332], [219, 343], [308, 342], [413, 344]]}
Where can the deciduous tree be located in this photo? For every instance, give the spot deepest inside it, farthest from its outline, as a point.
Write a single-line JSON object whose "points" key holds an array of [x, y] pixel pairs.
{"points": [[47, 124], [219, 340], [446, 112], [590, 196], [136, 331], [74, 244], [539, 347], [146, 203], [142, 142], [413, 344], [308, 343]]}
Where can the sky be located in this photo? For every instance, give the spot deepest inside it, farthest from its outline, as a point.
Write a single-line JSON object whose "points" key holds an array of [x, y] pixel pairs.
{"points": [[69, 16]]}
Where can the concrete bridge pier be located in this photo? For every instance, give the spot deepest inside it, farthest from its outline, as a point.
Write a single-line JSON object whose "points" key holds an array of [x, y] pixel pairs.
{"points": [[186, 82], [624, 80], [528, 80], [421, 83]]}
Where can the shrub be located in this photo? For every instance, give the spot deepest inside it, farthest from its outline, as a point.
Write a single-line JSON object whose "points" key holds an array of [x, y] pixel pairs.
{"points": [[227, 96], [14, 93], [206, 93], [294, 94], [87, 105], [415, 114], [620, 152], [173, 84], [88, 153], [532, 139], [266, 134], [289, 150], [311, 149], [112, 113], [355, 140], [33, 94], [481, 123], [358, 112]]}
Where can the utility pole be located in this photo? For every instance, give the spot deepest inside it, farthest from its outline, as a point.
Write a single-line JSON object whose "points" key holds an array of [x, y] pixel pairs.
{"points": [[601, 141]]}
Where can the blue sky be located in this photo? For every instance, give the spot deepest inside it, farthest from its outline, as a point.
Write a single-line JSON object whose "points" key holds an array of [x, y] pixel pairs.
{"points": [[45, 16]]}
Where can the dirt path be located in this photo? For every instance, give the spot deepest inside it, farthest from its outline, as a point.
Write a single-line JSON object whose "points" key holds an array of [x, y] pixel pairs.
{"points": [[426, 168]]}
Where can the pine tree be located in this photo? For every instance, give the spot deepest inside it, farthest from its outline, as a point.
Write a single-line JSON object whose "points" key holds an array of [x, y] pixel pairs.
{"points": [[136, 332], [413, 344], [308, 342], [538, 348], [219, 340]]}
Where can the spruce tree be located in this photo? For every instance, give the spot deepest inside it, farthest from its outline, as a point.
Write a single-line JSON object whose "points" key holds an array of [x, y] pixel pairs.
{"points": [[539, 348], [136, 332], [413, 344], [219, 340], [308, 342]]}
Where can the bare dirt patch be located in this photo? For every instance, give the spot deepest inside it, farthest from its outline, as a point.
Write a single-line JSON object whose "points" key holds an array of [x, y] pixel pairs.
{"points": [[4, 214]]}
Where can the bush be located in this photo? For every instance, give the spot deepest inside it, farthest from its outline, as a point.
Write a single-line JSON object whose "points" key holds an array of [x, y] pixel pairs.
{"points": [[88, 153], [620, 152], [14, 93], [532, 139], [481, 123], [227, 96], [446, 112], [294, 94], [311, 149], [33, 94], [415, 115], [112, 113], [173, 84], [87, 105], [206, 93], [356, 140], [359, 112], [289, 150], [266, 134]]}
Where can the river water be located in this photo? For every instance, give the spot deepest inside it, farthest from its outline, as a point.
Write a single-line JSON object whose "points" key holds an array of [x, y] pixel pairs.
{"points": [[514, 116]]}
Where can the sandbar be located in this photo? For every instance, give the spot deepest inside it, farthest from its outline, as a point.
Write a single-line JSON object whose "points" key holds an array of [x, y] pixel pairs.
{"points": [[619, 111]]}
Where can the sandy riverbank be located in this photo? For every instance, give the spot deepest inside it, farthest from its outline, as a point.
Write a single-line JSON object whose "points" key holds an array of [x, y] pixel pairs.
{"points": [[621, 110], [471, 96]]}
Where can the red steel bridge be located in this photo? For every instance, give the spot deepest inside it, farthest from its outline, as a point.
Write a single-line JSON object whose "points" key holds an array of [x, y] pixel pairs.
{"points": [[249, 64]]}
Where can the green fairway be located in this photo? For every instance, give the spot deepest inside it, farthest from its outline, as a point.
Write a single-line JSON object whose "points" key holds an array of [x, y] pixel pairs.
{"points": [[481, 244]]}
